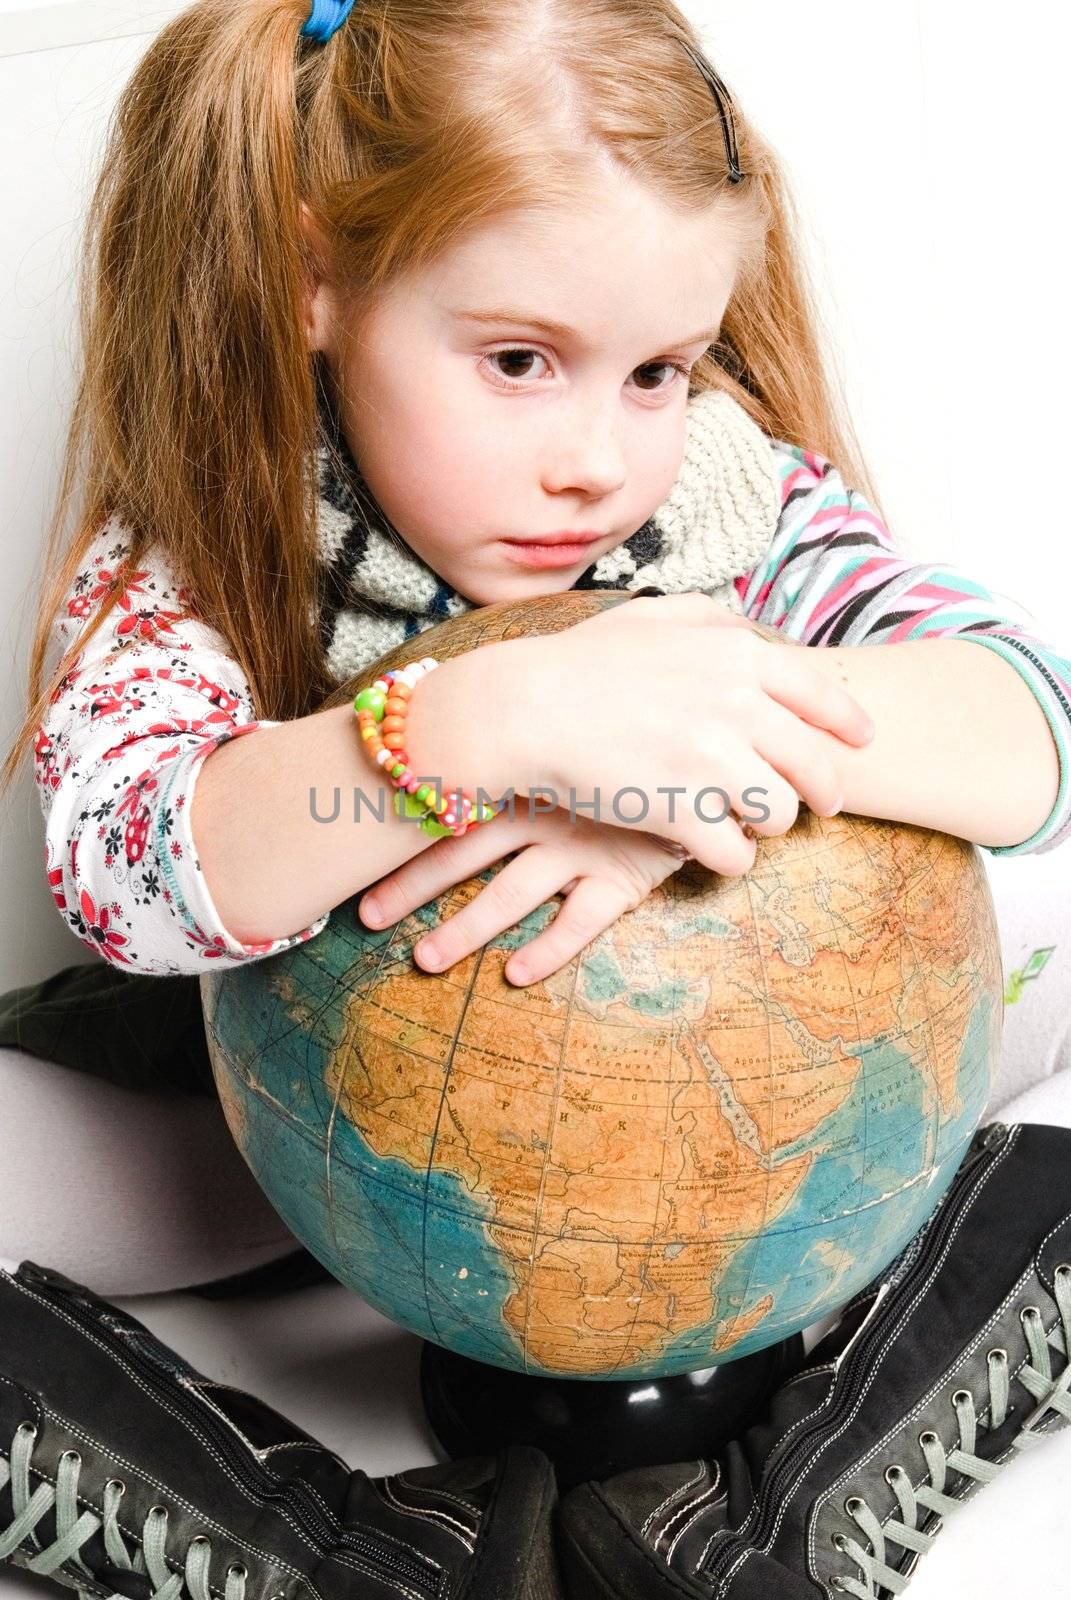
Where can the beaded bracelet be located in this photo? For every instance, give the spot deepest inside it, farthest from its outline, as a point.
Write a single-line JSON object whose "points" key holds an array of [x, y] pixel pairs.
{"points": [[386, 704]]}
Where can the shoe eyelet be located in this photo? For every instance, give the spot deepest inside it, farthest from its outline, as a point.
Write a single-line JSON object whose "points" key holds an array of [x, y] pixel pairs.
{"points": [[962, 1395], [236, 1566], [119, 1484], [27, 1427], [894, 1469], [1063, 1270], [927, 1434], [161, 1509], [73, 1455], [852, 1500], [840, 1542], [998, 1354], [200, 1538], [1029, 1311]]}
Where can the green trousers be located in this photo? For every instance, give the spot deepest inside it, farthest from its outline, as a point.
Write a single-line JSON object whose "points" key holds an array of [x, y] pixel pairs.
{"points": [[137, 1031]]}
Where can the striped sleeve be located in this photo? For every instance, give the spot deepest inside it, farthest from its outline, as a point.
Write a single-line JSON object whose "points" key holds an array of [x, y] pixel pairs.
{"points": [[832, 577]]}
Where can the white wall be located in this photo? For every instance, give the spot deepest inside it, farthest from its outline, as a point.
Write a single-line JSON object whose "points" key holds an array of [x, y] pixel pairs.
{"points": [[927, 141]]}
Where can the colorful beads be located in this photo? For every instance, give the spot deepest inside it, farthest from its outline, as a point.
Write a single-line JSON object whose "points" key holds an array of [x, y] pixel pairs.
{"points": [[371, 700], [381, 714]]}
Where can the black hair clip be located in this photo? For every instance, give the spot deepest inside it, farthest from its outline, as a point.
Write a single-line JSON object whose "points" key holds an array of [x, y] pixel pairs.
{"points": [[725, 111]]}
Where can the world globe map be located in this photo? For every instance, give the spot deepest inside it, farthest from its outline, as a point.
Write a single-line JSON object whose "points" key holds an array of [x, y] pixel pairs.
{"points": [[710, 1128]]}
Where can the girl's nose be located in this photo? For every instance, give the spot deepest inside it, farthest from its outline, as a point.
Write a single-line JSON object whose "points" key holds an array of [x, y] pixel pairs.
{"points": [[584, 454]]}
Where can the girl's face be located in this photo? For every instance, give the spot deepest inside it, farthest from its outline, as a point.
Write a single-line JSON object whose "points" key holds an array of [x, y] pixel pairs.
{"points": [[482, 430]]}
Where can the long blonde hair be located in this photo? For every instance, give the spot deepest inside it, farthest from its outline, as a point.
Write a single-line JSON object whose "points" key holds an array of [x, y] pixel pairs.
{"points": [[195, 404]]}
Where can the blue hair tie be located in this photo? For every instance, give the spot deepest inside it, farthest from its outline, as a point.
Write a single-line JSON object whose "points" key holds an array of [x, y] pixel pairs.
{"points": [[326, 17]]}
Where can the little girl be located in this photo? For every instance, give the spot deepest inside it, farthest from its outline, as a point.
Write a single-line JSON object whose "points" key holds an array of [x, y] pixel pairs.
{"points": [[456, 305]]}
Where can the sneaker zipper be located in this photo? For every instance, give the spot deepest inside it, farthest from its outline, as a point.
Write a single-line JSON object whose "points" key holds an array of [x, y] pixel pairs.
{"points": [[984, 1147], [305, 1511]]}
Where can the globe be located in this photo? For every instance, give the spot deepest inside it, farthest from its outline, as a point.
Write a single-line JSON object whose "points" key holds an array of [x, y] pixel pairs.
{"points": [[724, 1117]]}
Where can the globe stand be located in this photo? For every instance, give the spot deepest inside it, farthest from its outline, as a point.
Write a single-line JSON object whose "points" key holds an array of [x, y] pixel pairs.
{"points": [[593, 1429]]}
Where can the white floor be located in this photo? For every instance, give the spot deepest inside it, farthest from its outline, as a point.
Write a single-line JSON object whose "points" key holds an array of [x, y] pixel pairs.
{"points": [[350, 1378]]}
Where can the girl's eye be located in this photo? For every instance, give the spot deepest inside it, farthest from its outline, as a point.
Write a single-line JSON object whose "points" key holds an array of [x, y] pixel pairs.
{"points": [[522, 354]]}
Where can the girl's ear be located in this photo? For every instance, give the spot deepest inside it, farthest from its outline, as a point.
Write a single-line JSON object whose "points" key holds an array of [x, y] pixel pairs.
{"points": [[319, 311]]}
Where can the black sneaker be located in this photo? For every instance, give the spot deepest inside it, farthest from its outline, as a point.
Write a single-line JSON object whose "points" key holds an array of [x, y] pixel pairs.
{"points": [[938, 1373], [123, 1471]]}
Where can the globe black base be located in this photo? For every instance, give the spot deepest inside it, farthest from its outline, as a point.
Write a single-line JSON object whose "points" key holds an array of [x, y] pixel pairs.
{"points": [[593, 1429]]}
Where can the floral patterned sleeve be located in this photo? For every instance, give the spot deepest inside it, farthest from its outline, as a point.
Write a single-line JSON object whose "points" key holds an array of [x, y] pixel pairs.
{"points": [[116, 760]]}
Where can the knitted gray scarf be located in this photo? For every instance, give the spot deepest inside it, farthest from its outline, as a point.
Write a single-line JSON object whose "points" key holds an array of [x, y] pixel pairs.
{"points": [[716, 523]]}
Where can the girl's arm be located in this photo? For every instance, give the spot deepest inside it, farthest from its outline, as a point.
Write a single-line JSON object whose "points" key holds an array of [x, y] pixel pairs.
{"points": [[977, 744], [268, 837], [121, 756], [978, 761], [116, 759]]}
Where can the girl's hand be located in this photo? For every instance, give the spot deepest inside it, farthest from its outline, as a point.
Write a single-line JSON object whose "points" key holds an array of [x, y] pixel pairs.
{"points": [[601, 871], [679, 692]]}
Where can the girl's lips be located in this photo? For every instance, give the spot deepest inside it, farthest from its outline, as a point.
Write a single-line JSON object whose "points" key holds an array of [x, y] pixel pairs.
{"points": [[547, 555]]}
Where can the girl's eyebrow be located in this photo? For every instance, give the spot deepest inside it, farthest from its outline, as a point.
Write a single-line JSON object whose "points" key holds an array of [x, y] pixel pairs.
{"points": [[560, 329]]}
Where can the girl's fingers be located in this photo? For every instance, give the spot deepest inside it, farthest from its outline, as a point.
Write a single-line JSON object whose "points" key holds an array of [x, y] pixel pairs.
{"points": [[744, 784], [592, 906], [805, 690], [445, 863], [717, 840], [521, 886], [791, 748]]}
